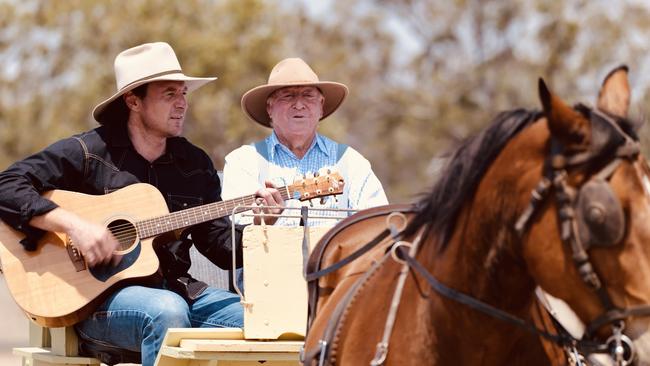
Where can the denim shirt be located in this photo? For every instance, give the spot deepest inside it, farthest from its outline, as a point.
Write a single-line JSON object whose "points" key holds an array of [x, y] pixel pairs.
{"points": [[246, 170], [103, 160]]}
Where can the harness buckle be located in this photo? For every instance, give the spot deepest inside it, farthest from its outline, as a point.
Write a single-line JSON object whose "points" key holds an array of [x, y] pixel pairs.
{"points": [[574, 357], [620, 346], [396, 223], [393, 250]]}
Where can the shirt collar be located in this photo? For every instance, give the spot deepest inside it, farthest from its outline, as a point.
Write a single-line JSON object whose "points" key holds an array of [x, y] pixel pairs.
{"points": [[321, 143], [119, 135], [120, 138]]}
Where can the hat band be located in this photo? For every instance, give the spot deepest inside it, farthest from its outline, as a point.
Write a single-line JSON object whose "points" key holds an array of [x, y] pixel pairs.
{"points": [[152, 76]]}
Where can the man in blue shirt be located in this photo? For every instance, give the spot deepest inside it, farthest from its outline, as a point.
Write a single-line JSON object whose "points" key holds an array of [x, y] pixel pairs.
{"points": [[292, 103]]}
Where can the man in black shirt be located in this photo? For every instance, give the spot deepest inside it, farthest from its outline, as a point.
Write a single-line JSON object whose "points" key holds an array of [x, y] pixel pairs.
{"points": [[137, 142]]}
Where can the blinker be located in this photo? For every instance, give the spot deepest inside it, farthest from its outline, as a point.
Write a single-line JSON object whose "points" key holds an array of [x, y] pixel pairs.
{"points": [[599, 215]]}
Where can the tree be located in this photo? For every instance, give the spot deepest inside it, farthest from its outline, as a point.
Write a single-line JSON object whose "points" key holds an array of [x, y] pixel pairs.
{"points": [[469, 59]]}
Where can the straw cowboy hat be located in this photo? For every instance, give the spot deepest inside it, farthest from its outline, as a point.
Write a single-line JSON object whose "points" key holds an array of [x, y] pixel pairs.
{"points": [[143, 64], [291, 72]]}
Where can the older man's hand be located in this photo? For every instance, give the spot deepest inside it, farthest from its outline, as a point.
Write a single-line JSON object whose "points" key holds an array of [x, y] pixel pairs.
{"points": [[266, 198]]}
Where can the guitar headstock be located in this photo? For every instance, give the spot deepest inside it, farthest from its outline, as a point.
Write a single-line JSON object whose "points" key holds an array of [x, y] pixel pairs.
{"points": [[322, 184]]}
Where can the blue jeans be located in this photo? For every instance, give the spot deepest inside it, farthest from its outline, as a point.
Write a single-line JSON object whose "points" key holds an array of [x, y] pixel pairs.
{"points": [[136, 317]]}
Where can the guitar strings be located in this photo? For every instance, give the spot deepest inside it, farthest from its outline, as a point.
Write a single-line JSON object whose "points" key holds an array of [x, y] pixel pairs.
{"points": [[183, 215], [227, 205], [126, 230], [137, 200], [192, 213]]}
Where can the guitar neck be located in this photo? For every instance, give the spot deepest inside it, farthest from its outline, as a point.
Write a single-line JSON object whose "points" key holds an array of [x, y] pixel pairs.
{"points": [[185, 218]]}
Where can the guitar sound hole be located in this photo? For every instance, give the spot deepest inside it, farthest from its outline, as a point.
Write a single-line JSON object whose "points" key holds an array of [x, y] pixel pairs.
{"points": [[125, 233]]}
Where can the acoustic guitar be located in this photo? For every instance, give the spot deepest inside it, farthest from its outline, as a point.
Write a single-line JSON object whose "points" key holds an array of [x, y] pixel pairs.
{"points": [[54, 286]]}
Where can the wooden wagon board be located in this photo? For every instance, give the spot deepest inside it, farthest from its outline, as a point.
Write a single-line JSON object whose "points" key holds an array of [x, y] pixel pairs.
{"points": [[224, 347]]}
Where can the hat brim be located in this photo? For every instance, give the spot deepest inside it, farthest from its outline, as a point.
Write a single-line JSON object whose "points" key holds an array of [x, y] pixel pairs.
{"points": [[254, 101], [192, 84]]}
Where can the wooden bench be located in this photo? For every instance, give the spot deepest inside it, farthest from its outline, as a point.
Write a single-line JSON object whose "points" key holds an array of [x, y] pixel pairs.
{"points": [[224, 347], [52, 346]]}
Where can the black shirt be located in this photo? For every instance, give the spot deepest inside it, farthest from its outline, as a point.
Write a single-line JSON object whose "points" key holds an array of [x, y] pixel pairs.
{"points": [[103, 160]]}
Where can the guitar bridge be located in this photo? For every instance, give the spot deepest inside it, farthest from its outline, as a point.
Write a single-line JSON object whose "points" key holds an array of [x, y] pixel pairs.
{"points": [[75, 256]]}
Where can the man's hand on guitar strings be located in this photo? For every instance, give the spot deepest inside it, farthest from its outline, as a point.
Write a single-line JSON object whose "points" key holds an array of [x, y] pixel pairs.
{"points": [[96, 243]]}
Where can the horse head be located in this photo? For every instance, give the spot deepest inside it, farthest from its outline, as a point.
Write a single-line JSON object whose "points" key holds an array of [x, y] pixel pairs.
{"points": [[587, 242], [480, 243]]}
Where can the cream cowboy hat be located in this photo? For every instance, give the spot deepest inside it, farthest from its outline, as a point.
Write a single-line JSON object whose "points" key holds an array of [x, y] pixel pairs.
{"points": [[291, 72], [143, 64]]}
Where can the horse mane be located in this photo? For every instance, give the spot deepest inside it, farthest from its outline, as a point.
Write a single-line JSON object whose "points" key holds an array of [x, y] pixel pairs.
{"points": [[458, 180]]}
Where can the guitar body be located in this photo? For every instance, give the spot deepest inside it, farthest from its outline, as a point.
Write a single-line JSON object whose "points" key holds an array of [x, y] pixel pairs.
{"points": [[54, 289]]}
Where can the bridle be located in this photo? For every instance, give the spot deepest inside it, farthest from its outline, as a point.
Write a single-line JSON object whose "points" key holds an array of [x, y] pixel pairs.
{"points": [[589, 216]]}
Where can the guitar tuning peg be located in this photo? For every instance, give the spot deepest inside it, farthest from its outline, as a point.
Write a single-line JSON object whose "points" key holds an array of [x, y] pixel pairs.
{"points": [[316, 174], [323, 200], [336, 200], [311, 203]]}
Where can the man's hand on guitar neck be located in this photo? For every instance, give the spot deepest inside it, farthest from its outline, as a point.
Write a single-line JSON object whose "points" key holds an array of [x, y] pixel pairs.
{"points": [[95, 242], [268, 196]]}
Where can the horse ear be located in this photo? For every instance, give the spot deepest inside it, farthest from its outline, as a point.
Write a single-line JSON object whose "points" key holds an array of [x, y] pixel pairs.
{"points": [[614, 94], [571, 128]]}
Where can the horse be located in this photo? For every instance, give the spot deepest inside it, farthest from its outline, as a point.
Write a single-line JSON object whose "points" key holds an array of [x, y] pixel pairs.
{"points": [[557, 198]]}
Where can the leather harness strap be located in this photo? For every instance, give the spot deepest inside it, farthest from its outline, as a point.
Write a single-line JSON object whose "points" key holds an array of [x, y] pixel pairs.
{"points": [[326, 352], [314, 262], [356, 254]]}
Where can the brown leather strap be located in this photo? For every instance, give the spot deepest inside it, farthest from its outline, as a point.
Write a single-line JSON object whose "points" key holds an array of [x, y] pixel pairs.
{"points": [[337, 317]]}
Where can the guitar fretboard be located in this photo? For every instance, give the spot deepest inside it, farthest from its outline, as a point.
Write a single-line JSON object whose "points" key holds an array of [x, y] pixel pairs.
{"points": [[181, 219]]}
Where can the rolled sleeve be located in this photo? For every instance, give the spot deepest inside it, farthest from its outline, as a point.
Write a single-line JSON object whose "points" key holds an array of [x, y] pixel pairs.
{"points": [[27, 206], [24, 182], [365, 188], [241, 177]]}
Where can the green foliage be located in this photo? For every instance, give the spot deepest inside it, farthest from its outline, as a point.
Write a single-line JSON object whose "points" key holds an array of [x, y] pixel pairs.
{"points": [[407, 106]]}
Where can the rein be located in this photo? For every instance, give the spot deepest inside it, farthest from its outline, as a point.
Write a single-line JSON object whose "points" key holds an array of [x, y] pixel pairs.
{"points": [[356, 254], [455, 295]]}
